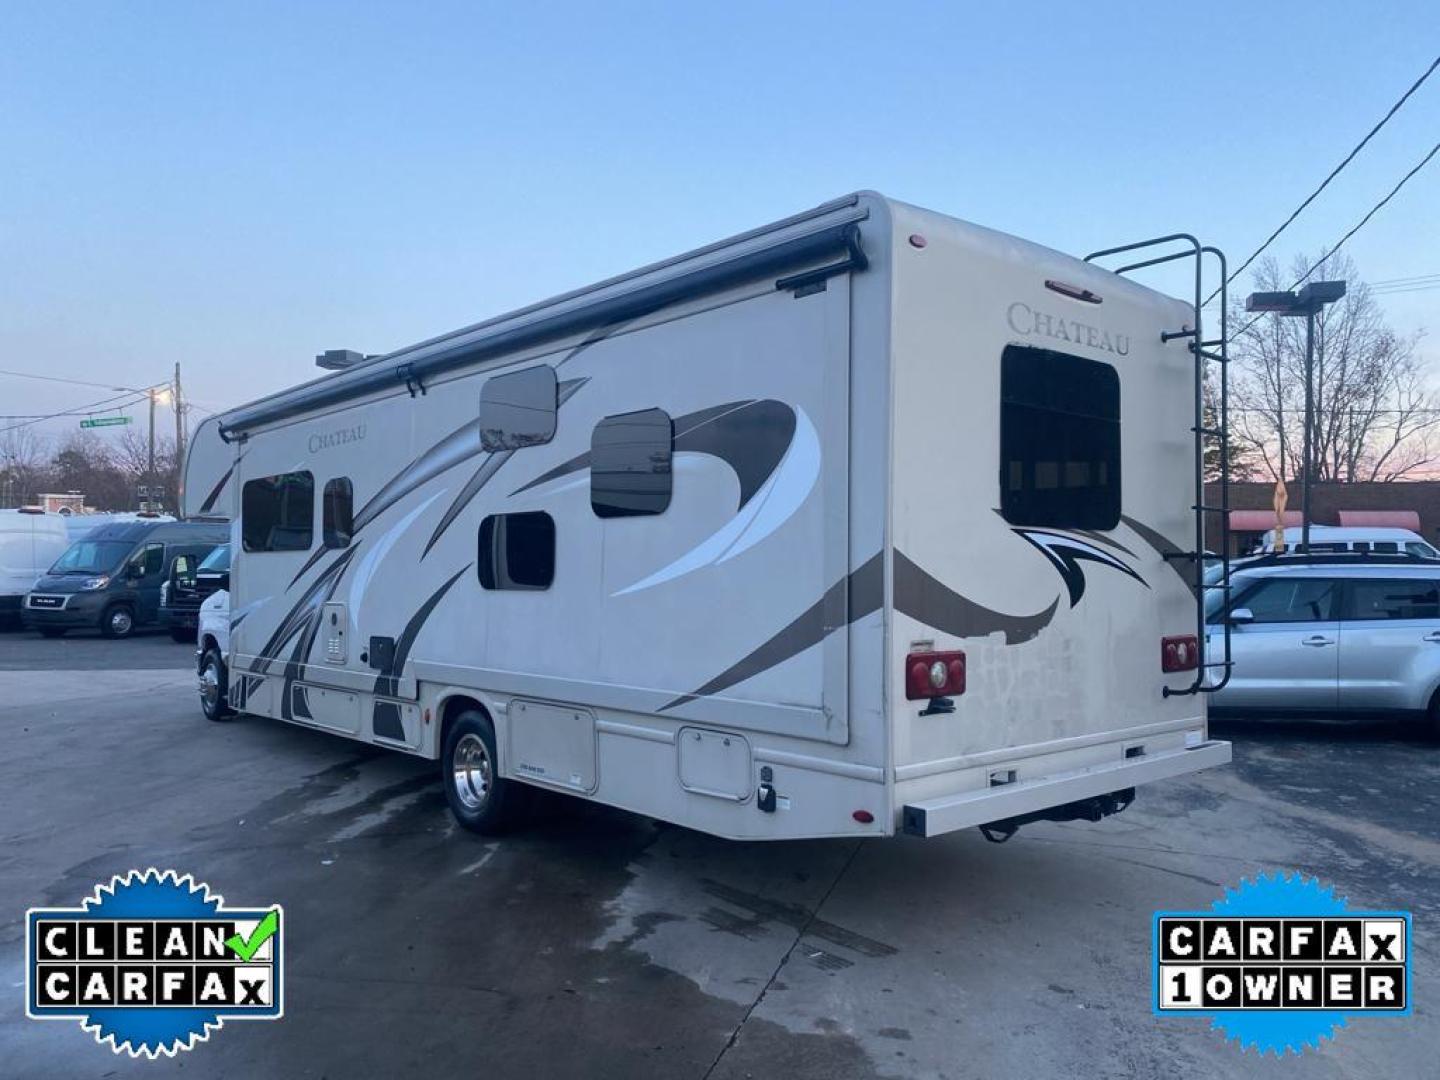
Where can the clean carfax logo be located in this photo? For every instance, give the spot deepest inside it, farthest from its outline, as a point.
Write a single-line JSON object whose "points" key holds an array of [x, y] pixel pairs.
{"points": [[152, 962], [1280, 963]]}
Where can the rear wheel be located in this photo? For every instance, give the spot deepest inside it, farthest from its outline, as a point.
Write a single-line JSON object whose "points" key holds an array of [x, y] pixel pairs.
{"points": [[118, 621], [214, 699], [479, 798], [1432, 717], [182, 634]]}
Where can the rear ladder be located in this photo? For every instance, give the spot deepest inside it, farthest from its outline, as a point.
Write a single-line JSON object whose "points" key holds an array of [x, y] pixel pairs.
{"points": [[1213, 351]]}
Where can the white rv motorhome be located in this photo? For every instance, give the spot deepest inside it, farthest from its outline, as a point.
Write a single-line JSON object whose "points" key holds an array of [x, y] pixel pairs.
{"points": [[867, 521]]}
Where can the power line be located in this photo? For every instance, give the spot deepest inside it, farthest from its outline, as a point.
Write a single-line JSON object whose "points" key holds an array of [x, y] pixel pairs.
{"points": [[1333, 173], [79, 382], [83, 410], [1356, 228]]}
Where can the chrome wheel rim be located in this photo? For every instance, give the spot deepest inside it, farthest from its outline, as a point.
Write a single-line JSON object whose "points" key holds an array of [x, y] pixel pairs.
{"points": [[210, 687], [470, 771], [120, 621]]}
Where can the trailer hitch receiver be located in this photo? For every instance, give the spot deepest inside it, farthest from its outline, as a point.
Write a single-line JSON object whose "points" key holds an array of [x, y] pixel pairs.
{"points": [[1091, 809]]}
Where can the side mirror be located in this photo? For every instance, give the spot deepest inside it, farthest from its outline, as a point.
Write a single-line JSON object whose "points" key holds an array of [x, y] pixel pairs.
{"points": [[1240, 616], [134, 572]]}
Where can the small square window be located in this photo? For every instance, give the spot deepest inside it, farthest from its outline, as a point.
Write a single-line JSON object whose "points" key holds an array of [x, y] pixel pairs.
{"points": [[518, 410], [277, 513], [338, 512], [630, 458], [517, 551]]}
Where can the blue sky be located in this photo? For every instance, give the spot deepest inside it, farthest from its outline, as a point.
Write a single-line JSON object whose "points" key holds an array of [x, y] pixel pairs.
{"points": [[239, 187]]}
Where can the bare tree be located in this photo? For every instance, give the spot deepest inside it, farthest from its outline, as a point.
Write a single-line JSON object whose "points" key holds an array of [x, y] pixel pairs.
{"points": [[1375, 417], [23, 452]]}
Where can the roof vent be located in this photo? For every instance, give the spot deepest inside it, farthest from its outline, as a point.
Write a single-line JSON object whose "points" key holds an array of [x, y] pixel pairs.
{"points": [[339, 359]]}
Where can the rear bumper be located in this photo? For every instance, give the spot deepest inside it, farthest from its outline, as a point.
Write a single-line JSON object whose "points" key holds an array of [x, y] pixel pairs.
{"points": [[931, 817]]}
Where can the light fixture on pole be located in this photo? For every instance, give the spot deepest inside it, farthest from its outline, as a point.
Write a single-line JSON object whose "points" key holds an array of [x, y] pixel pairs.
{"points": [[1307, 302]]}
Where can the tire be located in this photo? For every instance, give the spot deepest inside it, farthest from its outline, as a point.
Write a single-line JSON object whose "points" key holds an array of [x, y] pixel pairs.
{"points": [[480, 800], [118, 621], [182, 634], [52, 631], [214, 692]]}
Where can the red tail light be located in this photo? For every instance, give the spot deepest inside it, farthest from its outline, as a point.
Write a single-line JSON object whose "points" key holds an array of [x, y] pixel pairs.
{"points": [[1181, 653], [934, 674]]}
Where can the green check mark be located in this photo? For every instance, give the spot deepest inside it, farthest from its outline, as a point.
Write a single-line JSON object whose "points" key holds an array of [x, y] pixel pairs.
{"points": [[246, 948]]}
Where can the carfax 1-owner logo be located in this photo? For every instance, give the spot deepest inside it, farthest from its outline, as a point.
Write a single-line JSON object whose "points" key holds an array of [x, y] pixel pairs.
{"points": [[1281, 963], [153, 962]]}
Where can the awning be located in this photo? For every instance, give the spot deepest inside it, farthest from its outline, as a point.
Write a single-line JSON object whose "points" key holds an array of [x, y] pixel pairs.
{"points": [[1260, 520], [1382, 519]]}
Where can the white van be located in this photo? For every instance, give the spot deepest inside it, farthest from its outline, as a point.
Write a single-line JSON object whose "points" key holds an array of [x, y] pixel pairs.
{"points": [[1331, 538], [30, 541]]}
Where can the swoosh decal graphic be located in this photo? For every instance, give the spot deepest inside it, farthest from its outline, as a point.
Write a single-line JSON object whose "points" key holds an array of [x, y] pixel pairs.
{"points": [[782, 493], [209, 502], [387, 681], [1185, 568], [935, 604], [1066, 553], [859, 593], [488, 469]]}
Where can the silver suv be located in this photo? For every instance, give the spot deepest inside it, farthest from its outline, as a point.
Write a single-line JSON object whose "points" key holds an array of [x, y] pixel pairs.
{"points": [[1310, 636]]}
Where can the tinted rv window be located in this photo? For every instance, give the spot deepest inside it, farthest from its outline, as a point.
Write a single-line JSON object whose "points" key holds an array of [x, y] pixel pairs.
{"points": [[517, 551], [518, 409], [630, 464], [338, 512], [277, 513], [1059, 440]]}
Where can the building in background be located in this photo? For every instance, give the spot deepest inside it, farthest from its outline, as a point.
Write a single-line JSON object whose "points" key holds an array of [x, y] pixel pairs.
{"points": [[1407, 504], [66, 502]]}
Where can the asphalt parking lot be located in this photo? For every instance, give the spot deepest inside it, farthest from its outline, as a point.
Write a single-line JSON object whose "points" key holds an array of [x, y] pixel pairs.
{"points": [[599, 944]]}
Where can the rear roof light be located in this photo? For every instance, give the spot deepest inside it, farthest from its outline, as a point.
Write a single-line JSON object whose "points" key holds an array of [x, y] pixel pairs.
{"points": [[1179, 653], [934, 674], [1075, 292]]}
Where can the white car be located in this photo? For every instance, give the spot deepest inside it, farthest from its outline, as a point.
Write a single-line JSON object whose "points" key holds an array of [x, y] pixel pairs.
{"points": [[1332, 538]]}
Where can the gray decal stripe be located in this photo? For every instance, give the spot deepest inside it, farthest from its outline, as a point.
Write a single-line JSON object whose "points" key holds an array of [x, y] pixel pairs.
{"points": [[209, 502], [296, 617], [386, 683], [750, 436], [1183, 567], [862, 592], [927, 600], [491, 466]]}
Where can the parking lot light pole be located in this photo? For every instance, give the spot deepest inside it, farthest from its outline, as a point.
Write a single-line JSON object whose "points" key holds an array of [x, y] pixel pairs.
{"points": [[1307, 302]]}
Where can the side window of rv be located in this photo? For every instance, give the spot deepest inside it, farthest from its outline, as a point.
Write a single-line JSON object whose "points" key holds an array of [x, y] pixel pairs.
{"points": [[1059, 440], [338, 512], [630, 464], [517, 551], [518, 410], [277, 513]]}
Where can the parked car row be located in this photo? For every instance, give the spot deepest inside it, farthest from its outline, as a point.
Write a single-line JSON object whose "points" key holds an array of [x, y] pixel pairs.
{"points": [[115, 577], [1341, 632]]}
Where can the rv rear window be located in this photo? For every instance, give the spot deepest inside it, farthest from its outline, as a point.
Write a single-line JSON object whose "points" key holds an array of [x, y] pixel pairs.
{"points": [[518, 410], [1059, 440], [338, 510], [277, 513], [630, 464], [517, 551]]}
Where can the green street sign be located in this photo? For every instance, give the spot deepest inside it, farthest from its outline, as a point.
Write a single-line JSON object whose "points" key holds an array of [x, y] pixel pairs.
{"points": [[105, 421]]}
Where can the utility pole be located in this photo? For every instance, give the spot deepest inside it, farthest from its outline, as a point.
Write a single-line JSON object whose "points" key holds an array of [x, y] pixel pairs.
{"points": [[150, 468], [176, 404]]}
